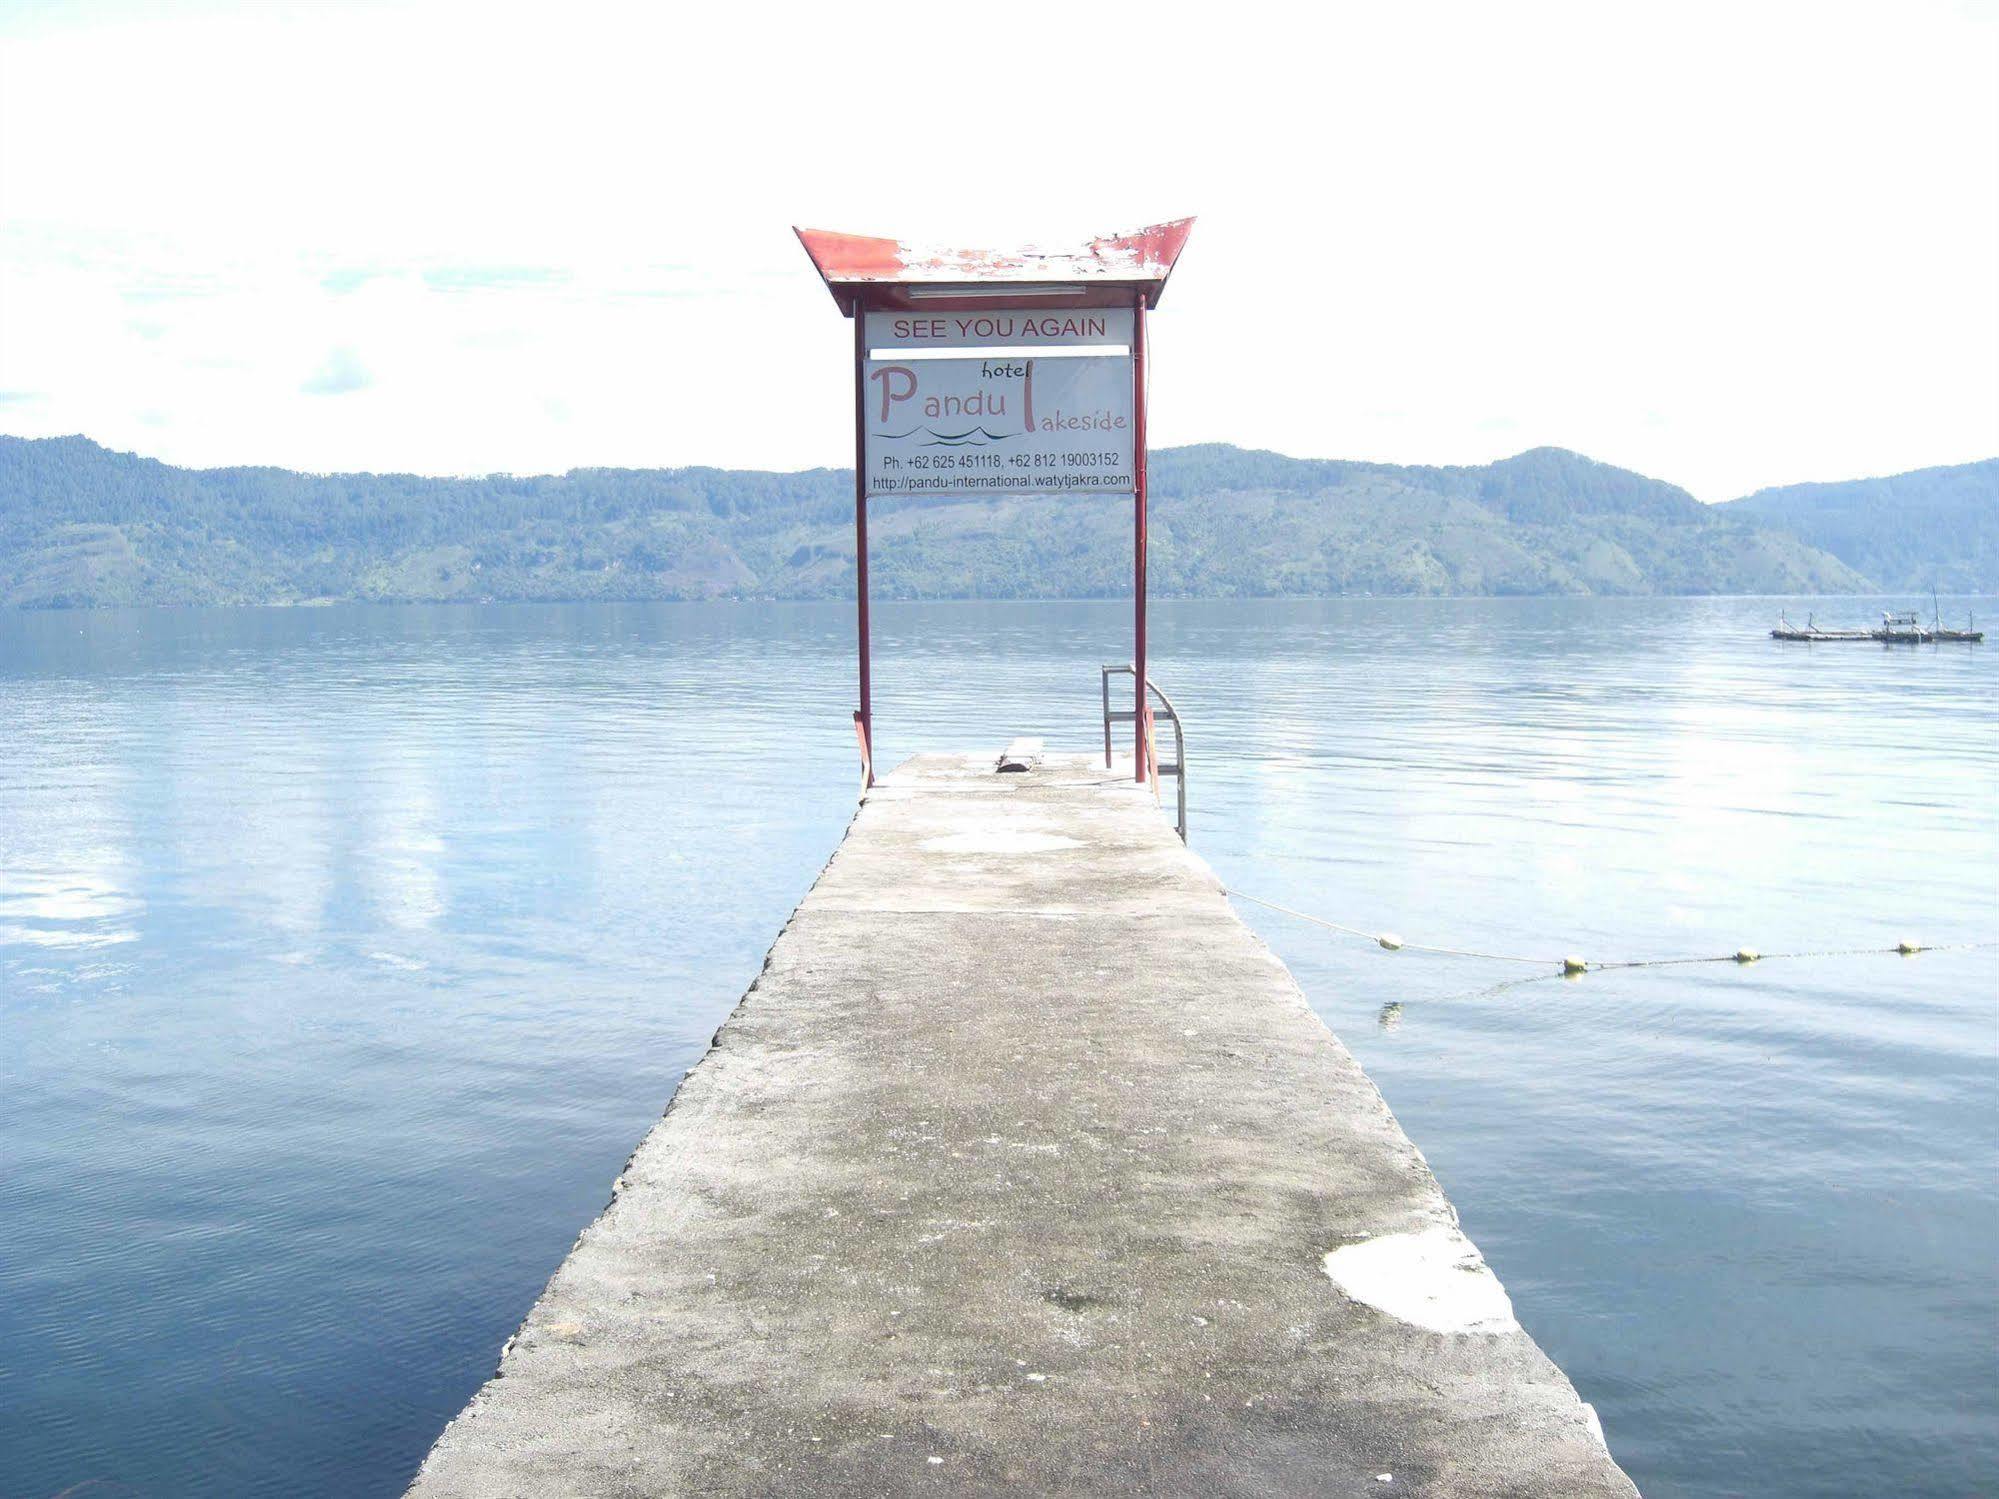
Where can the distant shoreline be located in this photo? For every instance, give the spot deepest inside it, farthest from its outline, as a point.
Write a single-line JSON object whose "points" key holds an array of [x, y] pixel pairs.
{"points": [[737, 602]]}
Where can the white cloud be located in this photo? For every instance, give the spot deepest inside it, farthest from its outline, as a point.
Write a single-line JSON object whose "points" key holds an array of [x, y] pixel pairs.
{"points": [[1726, 245], [340, 374]]}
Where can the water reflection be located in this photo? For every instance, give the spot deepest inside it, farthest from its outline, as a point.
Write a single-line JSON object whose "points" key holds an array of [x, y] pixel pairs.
{"points": [[345, 954]]}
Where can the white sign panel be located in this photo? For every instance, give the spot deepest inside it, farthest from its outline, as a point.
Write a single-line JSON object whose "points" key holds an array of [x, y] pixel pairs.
{"points": [[1000, 328], [998, 425]]}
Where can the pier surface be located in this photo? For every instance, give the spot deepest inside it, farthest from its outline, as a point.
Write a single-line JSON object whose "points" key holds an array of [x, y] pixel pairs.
{"points": [[1022, 1168]]}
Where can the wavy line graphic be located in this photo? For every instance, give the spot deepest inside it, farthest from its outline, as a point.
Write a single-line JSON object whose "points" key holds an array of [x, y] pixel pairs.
{"points": [[968, 433], [970, 437]]}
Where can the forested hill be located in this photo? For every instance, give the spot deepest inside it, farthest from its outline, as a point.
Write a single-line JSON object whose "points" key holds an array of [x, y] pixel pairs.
{"points": [[1935, 528], [83, 526]]}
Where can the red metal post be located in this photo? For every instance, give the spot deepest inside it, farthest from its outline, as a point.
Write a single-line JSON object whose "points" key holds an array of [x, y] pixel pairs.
{"points": [[1140, 767], [865, 718]]}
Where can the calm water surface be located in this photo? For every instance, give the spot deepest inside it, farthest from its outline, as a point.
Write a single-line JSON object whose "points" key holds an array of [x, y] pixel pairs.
{"points": [[345, 955]]}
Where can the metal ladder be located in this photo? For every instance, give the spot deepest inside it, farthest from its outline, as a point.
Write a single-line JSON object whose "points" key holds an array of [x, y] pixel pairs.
{"points": [[1178, 768]]}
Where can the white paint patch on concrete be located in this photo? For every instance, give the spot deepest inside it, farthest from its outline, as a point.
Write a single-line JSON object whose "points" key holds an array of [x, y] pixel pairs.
{"points": [[1433, 1279]]}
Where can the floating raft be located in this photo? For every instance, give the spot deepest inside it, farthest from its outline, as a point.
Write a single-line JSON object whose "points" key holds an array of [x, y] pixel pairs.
{"points": [[1792, 632], [1023, 1168], [1897, 633]]}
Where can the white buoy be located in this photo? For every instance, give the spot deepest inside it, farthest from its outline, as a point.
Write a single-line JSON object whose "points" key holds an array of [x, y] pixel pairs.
{"points": [[1390, 941], [1746, 955], [1574, 965], [1905, 947]]}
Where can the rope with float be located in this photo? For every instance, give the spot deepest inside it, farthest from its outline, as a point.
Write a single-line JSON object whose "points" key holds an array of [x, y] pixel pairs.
{"points": [[1576, 966]]}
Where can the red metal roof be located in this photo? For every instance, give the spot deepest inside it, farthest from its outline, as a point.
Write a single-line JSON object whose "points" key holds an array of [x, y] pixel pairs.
{"points": [[861, 270]]}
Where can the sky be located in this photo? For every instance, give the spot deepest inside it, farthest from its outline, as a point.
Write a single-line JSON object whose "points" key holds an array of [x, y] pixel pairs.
{"points": [[1726, 245]]}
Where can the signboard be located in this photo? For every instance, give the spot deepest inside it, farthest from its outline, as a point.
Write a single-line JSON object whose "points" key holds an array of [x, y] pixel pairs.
{"points": [[1039, 402], [1004, 400]]}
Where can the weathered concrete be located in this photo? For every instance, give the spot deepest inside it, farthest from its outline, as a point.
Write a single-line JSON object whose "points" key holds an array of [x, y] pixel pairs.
{"points": [[1018, 1170]]}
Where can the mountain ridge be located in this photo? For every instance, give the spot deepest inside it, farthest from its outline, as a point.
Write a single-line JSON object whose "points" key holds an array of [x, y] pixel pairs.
{"points": [[83, 526], [1950, 542]]}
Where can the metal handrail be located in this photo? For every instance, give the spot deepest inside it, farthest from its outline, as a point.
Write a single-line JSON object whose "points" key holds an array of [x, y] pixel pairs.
{"points": [[1178, 769]]}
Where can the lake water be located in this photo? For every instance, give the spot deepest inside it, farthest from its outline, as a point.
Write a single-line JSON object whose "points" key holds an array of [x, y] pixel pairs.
{"points": [[345, 955]]}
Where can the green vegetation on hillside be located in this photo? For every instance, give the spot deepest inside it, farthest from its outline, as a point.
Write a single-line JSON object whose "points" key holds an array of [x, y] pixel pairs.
{"points": [[1935, 528], [82, 526]]}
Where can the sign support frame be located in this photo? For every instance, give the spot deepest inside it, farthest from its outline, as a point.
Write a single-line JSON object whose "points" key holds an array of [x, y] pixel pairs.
{"points": [[864, 719], [870, 273], [1140, 768]]}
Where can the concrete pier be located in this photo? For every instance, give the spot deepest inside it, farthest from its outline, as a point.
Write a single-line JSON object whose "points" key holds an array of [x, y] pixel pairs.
{"points": [[1022, 1168]]}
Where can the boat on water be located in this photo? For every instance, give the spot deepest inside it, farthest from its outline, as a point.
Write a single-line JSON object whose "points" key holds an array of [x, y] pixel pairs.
{"points": [[1905, 628], [1900, 629]]}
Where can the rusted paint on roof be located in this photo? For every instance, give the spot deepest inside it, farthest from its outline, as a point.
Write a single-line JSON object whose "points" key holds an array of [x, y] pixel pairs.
{"points": [[862, 269]]}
